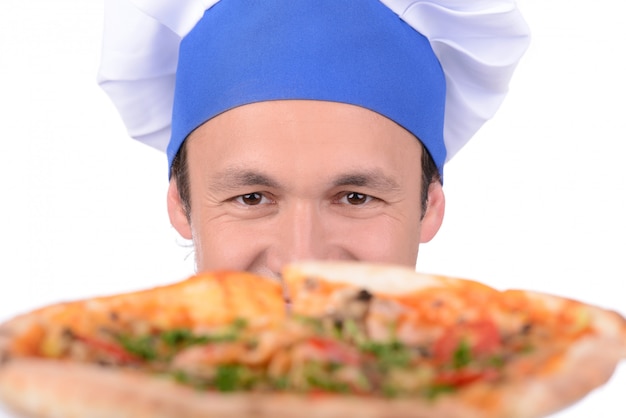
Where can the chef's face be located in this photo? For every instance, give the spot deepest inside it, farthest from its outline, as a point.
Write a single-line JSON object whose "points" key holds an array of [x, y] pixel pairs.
{"points": [[281, 181]]}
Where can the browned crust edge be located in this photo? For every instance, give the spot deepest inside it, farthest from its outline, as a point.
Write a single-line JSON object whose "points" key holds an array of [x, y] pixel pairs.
{"points": [[8, 331], [586, 366], [47, 388], [383, 278], [44, 389]]}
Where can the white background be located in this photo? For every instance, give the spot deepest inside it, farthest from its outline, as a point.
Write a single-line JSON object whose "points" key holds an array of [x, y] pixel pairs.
{"points": [[537, 200]]}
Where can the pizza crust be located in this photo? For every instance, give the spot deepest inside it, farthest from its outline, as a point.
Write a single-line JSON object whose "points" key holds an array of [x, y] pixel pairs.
{"points": [[587, 365], [5, 338], [43, 388], [51, 389], [9, 330], [40, 388], [384, 278]]}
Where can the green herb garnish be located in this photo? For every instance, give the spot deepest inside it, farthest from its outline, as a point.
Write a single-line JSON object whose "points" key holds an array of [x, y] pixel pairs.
{"points": [[390, 354], [143, 346], [496, 361], [321, 376], [233, 377], [462, 356], [182, 337], [432, 392]]}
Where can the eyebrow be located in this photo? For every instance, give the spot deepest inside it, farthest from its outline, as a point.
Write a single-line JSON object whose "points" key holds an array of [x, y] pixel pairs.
{"points": [[374, 179], [234, 178]]}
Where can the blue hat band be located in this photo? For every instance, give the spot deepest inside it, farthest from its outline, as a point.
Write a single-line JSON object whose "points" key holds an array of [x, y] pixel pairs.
{"points": [[348, 51]]}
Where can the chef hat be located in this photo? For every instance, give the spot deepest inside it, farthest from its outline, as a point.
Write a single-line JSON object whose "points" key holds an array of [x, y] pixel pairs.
{"points": [[438, 68]]}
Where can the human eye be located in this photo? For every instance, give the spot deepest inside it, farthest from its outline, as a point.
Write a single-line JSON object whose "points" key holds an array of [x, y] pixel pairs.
{"points": [[252, 199], [355, 199]]}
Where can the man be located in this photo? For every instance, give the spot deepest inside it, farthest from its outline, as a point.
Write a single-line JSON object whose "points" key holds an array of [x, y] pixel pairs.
{"points": [[309, 129]]}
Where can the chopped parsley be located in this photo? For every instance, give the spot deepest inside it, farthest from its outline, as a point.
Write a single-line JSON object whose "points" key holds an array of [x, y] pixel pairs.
{"points": [[162, 346], [182, 337], [462, 356], [143, 347], [434, 391], [389, 354], [234, 377], [227, 378], [321, 376], [349, 361], [496, 361]]}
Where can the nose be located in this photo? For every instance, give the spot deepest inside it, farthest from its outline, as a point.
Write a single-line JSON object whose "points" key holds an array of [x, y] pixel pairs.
{"points": [[300, 234]]}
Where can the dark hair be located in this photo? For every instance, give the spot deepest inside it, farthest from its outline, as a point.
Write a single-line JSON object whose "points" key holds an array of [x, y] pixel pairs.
{"points": [[430, 175], [180, 174]]}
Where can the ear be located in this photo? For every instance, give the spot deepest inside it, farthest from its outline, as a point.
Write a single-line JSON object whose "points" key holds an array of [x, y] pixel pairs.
{"points": [[176, 211], [433, 216]]}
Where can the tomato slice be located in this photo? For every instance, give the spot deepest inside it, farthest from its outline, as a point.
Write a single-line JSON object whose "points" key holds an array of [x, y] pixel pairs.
{"points": [[483, 338], [458, 378], [335, 351], [113, 350]]}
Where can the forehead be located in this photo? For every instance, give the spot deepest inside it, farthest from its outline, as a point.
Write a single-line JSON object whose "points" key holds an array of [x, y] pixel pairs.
{"points": [[302, 136]]}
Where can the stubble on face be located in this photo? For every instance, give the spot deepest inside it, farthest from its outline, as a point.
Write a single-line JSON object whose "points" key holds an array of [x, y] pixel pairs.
{"points": [[276, 182]]}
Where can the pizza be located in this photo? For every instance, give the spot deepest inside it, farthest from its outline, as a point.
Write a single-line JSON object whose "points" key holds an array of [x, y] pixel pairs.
{"points": [[331, 339]]}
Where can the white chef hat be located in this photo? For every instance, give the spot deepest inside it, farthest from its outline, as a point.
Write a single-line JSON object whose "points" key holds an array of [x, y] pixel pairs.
{"points": [[439, 68]]}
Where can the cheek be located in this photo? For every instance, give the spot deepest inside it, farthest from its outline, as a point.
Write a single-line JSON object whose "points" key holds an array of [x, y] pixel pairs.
{"points": [[220, 247], [386, 240]]}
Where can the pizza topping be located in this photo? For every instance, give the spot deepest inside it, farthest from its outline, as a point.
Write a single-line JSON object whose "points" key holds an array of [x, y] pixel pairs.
{"points": [[4, 357], [105, 350], [461, 342], [309, 354], [349, 304], [328, 359], [330, 353], [462, 356], [337, 339], [163, 346]]}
